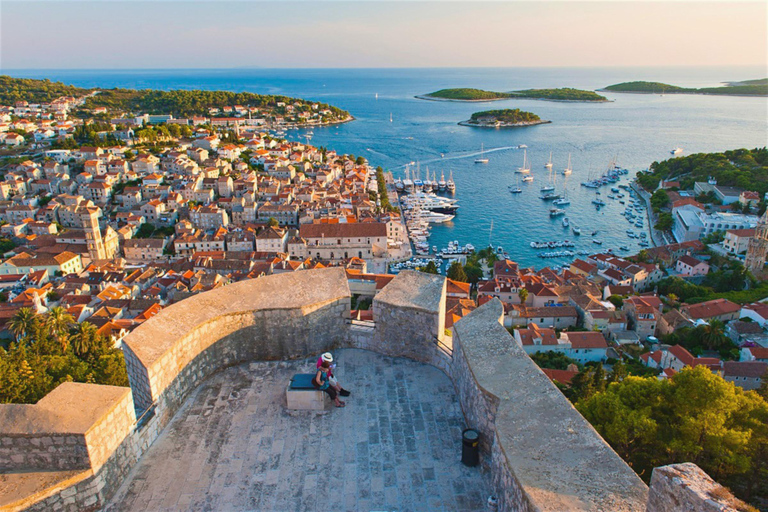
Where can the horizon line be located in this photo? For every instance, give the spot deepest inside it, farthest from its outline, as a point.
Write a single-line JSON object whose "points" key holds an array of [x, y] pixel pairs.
{"points": [[302, 68]]}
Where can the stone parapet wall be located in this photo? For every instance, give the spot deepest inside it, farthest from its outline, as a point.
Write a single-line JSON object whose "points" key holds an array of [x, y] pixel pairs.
{"points": [[245, 321], [76, 426], [687, 488], [544, 455], [410, 318]]}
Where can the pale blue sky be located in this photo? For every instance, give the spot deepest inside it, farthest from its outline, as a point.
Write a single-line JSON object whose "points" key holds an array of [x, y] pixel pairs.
{"points": [[219, 34]]}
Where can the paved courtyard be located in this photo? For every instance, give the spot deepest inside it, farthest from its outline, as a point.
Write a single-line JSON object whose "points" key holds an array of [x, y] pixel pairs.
{"points": [[396, 446]]}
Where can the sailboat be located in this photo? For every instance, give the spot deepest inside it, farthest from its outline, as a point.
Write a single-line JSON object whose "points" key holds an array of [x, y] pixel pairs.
{"points": [[567, 171], [549, 187], [526, 168], [548, 165], [441, 183], [451, 186], [390, 117], [482, 159], [516, 189]]}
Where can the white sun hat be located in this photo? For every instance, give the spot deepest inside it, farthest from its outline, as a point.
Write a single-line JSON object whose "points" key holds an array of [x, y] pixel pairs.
{"points": [[327, 357]]}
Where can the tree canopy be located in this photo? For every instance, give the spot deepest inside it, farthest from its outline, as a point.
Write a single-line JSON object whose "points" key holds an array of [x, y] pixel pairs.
{"points": [[695, 416], [50, 349]]}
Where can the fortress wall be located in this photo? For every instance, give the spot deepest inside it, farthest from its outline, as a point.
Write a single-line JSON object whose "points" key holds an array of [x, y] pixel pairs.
{"points": [[76, 426], [544, 455], [410, 319], [685, 487], [171, 353]]}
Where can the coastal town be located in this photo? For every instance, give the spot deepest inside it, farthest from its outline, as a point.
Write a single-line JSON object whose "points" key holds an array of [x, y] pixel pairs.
{"points": [[114, 233], [108, 217]]}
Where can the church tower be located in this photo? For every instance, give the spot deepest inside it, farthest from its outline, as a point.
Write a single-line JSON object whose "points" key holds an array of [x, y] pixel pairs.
{"points": [[89, 220], [758, 246]]}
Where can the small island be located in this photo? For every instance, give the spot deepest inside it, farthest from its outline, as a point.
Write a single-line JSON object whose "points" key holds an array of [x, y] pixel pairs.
{"points": [[562, 94], [506, 118], [745, 88], [464, 94]]}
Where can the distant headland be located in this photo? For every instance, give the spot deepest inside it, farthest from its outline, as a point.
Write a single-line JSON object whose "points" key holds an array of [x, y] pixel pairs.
{"points": [[506, 118], [745, 88], [468, 94]]}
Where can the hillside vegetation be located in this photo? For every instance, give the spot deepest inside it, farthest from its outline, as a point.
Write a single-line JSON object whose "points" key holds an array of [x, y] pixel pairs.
{"points": [[744, 168], [747, 88], [35, 91], [177, 102]]}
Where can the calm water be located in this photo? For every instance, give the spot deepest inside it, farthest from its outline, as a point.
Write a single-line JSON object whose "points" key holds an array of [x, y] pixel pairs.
{"points": [[638, 129]]}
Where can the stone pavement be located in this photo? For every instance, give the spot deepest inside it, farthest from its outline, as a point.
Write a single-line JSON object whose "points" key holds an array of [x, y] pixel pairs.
{"points": [[396, 446]]}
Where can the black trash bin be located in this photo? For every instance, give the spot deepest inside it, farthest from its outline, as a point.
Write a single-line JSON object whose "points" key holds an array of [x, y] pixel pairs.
{"points": [[470, 447]]}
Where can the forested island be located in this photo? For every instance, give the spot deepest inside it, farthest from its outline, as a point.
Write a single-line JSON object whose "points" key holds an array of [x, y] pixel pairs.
{"points": [[178, 103], [743, 168], [562, 94], [746, 88], [506, 118]]}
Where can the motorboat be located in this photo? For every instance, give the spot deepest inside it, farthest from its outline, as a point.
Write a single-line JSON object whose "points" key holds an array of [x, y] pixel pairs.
{"points": [[566, 222], [576, 230], [677, 151]]}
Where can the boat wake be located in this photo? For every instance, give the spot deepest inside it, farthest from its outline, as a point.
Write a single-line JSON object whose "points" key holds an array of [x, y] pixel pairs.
{"points": [[458, 157]]}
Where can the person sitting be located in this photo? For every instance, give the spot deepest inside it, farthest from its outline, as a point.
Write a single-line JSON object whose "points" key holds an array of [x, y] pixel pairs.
{"points": [[328, 357], [322, 382]]}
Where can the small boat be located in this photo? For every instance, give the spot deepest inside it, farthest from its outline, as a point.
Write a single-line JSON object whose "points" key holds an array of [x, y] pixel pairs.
{"points": [[624, 248], [576, 230], [450, 186], [594, 232], [522, 146], [598, 202], [516, 189], [548, 165], [566, 222], [482, 159], [676, 151], [598, 242], [528, 179], [556, 212], [547, 188]]}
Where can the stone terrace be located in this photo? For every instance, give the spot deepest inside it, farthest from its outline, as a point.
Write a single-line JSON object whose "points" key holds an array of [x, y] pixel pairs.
{"points": [[233, 446]]}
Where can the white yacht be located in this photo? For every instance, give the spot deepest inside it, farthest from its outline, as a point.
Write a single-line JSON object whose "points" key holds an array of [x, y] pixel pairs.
{"points": [[563, 201], [441, 183], [528, 179], [566, 222]]}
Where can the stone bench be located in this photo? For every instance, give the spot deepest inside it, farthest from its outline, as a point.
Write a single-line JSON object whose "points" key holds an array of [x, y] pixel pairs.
{"points": [[301, 394]]}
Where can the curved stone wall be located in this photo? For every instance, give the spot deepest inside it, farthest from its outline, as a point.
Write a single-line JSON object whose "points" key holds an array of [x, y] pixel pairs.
{"points": [[281, 316]]}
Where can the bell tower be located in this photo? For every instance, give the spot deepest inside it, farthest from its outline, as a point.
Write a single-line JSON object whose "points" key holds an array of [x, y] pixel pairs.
{"points": [[758, 246]]}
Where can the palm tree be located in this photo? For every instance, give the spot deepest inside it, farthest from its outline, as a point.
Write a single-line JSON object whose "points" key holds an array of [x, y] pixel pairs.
{"points": [[22, 322], [84, 338], [714, 337], [58, 322]]}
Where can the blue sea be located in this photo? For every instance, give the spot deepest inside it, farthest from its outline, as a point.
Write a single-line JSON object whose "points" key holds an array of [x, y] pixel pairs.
{"points": [[635, 129]]}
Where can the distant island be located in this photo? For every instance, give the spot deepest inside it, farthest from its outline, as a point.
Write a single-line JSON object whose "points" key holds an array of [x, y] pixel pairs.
{"points": [[506, 118], [562, 94], [745, 88]]}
